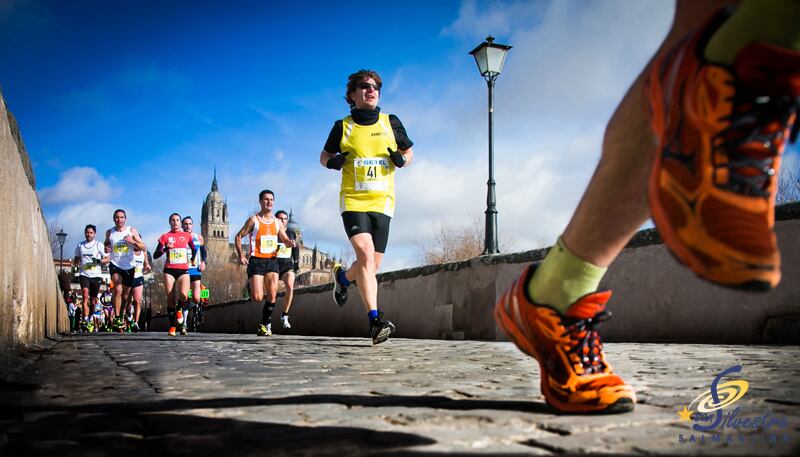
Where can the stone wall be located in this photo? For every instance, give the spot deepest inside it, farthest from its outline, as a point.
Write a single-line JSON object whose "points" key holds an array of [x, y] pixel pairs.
{"points": [[29, 296], [655, 299]]}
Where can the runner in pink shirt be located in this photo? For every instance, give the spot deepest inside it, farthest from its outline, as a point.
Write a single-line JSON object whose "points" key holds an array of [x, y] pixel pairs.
{"points": [[176, 269]]}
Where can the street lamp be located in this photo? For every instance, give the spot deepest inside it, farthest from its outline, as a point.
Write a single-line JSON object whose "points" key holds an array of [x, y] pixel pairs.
{"points": [[62, 237], [490, 57]]}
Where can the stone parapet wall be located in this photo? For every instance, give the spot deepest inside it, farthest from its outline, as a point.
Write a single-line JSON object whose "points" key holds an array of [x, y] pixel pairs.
{"points": [[654, 299], [29, 295]]}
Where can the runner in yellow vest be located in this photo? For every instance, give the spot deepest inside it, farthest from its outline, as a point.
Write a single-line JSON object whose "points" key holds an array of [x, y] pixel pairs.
{"points": [[367, 146]]}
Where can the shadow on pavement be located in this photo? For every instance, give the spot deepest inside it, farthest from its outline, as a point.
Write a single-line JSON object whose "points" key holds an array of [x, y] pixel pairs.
{"points": [[78, 434], [371, 401], [165, 427]]}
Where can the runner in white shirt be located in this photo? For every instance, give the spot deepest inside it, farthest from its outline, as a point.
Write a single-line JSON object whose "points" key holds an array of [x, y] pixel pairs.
{"points": [[120, 242], [89, 255]]}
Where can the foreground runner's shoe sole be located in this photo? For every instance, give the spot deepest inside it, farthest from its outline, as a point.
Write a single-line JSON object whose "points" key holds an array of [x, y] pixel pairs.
{"points": [[721, 131], [575, 376]]}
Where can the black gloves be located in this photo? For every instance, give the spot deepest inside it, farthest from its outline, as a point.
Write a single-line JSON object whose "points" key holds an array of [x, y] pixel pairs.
{"points": [[337, 162], [397, 158]]}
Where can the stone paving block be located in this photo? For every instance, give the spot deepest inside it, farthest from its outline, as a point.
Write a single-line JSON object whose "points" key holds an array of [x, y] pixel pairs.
{"points": [[212, 394]]}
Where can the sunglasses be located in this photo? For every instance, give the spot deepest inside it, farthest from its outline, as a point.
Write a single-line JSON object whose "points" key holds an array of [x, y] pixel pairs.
{"points": [[368, 85]]}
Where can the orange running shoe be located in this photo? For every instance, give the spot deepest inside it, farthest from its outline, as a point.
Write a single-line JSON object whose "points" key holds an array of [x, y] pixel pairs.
{"points": [[576, 378], [721, 131], [172, 332]]}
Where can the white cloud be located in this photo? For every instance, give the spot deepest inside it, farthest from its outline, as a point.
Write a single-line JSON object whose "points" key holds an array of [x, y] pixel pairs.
{"points": [[570, 65], [78, 184]]}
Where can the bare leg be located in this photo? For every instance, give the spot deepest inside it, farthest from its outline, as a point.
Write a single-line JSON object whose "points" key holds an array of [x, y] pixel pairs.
{"points": [[183, 282], [256, 287], [137, 302], [271, 284], [614, 205], [196, 291], [363, 270], [288, 281], [169, 286], [119, 292]]}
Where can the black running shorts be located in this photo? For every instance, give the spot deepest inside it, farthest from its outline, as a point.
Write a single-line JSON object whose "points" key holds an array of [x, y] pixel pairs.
{"points": [[259, 266], [175, 272], [285, 267], [125, 275], [93, 284], [376, 224]]}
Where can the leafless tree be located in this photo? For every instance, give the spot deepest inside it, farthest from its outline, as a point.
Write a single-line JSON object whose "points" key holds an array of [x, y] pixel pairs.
{"points": [[54, 227], [224, 279], [450, 242]]}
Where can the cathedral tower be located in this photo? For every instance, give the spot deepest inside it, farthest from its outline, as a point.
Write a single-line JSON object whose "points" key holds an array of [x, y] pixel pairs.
{"points": [[214, 223]]}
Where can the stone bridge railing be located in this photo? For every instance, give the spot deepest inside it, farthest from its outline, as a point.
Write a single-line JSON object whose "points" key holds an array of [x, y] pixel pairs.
{"points": [[655, 299]]}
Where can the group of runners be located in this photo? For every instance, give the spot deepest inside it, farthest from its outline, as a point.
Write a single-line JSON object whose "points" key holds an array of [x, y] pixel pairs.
{"points": [[117, 312], [185, 261], [720, 97]]}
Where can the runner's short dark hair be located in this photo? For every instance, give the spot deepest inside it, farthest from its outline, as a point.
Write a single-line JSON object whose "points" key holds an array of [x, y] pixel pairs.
{"points": [[264, 192], [357, 77], [90, 226]]}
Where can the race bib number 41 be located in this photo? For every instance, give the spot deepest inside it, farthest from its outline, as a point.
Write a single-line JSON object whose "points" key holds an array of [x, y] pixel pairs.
{"points": [[372, 173]]}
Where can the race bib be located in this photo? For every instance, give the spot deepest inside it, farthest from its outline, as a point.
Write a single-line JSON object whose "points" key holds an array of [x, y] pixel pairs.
{"points": [[138, 270], [372, 173], [177, 256], [284, 252], [121, 248], [269, 243], [90, 266]]}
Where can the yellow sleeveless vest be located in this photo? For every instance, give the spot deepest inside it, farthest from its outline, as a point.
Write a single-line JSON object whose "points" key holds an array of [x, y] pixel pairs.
{"points": [[368, 173]]}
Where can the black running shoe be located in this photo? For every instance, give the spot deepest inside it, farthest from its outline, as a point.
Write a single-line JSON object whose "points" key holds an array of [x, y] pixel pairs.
{"points": [[380, 329], [339, 291]]}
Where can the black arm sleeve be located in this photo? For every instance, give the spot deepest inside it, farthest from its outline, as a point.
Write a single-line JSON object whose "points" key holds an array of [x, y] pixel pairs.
{"points": [[400, 135], [203, 253], [296, 250], [333, 144], [159, 251]]}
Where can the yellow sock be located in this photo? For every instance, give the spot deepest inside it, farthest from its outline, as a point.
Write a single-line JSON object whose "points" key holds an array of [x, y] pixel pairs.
{"points": [[562, 278], [773, 21]]}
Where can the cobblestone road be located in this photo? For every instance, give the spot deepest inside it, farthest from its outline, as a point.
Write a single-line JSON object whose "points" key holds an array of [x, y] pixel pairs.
{"points": [[208, 394]]}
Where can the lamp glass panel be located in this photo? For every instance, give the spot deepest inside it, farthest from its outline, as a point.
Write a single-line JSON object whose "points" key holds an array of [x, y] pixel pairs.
{"points": [[481, 60], [495, 58]]}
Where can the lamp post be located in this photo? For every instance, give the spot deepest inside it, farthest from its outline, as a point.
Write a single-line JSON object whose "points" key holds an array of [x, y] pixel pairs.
{"points": [[62, 237], [490, 57]]}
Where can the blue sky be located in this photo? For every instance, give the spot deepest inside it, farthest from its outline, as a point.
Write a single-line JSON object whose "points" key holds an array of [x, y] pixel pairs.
{"points": [[132, 104]]}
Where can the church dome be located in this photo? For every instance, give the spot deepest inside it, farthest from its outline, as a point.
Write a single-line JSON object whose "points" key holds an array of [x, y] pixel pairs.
{"points": [[293, 225]]}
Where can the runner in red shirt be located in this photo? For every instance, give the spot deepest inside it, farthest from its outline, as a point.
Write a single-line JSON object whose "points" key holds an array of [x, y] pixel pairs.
{"points": [[176, 269]]}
